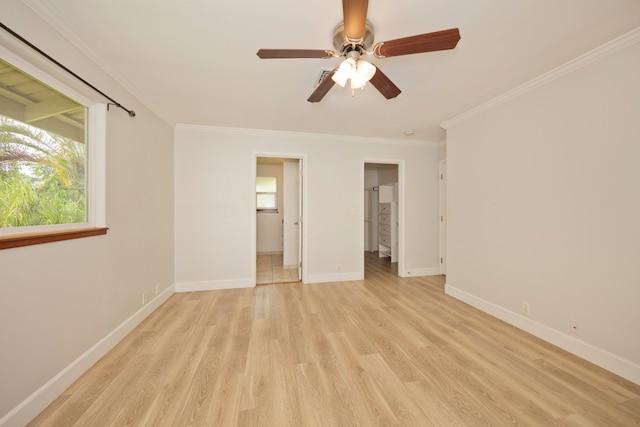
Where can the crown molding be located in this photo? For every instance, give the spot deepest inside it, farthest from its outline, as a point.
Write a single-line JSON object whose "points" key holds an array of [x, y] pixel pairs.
{"points": [[51, 16], [306, 135], [590, 57]]}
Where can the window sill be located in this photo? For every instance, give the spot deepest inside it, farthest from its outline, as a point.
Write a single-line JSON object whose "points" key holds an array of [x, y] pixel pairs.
{"points": [[15, 241]]}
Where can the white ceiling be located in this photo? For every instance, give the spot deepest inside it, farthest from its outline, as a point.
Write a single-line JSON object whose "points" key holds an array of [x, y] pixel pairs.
{"points": [[194, 62]]}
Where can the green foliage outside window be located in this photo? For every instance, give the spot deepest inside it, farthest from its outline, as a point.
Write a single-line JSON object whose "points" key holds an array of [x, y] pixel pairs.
{"points": [[42, 177]]}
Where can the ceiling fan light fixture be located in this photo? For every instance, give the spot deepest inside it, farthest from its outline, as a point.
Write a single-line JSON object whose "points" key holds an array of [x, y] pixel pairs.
{"points": [[364, 72], [346, 70], [357, 81], [340, 79]]}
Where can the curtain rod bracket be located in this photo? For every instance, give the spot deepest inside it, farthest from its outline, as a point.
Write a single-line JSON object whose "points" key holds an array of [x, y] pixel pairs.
{"points": [[115, 104], [41, 52]]}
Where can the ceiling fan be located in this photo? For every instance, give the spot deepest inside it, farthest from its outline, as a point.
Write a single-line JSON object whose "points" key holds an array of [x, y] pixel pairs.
{"points": [[352, 40]]}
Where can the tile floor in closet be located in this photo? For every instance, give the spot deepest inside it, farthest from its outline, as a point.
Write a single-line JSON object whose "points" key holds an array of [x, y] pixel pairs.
{"points": [[269, 270]]}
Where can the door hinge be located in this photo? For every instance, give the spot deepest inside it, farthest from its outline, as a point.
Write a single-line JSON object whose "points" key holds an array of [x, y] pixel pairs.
{"points": [[441, 260]]}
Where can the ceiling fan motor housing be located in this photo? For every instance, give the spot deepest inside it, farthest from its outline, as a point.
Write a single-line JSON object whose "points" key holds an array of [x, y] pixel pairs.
{"points": [[343, 45]]}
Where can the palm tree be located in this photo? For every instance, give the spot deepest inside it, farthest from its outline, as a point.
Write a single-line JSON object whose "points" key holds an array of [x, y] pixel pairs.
{"points": [[42, 176]]}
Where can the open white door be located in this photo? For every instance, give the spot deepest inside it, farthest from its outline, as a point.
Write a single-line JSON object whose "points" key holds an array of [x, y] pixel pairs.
{"points": [[443, 217], [291, 223]]}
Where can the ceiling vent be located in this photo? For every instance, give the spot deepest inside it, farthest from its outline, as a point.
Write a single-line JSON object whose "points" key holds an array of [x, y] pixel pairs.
{"points": [[323, 75]]}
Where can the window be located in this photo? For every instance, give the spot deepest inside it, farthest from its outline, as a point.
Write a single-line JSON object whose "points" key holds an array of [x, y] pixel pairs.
{"points": [[47, 181], [266, 194]]}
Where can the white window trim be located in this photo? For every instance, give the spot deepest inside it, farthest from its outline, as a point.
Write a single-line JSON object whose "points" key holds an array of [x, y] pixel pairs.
{"points": [[96, 151]]}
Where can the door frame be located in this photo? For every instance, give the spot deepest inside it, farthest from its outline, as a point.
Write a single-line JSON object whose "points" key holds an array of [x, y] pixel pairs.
{"points": [[401, 202], [302, 158], [443, 215]]}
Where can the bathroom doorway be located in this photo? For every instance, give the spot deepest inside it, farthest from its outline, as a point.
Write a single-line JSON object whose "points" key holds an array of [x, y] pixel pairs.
{"points": [[278, 220]]}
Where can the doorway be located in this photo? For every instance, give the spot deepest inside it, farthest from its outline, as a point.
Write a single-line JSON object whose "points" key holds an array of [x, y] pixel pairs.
{"points": [[278, 220], [382, 213]]}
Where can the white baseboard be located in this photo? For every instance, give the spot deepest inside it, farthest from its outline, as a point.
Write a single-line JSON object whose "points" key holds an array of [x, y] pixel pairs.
{"points": [[214, 285], [41, 398], [609, 361], [416, 272], [333, 277]]}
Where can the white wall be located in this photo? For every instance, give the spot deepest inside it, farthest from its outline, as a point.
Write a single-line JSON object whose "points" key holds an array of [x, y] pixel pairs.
{"points": [[380, 174], [370, 177], [388, 175], [214, 239], [269, 224], [544, 208], [57, 300]]}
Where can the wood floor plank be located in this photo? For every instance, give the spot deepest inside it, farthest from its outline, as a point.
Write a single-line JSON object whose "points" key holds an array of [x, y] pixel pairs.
{"points": [[407, 411], [370, 406], [381, 351], [314, 395]]}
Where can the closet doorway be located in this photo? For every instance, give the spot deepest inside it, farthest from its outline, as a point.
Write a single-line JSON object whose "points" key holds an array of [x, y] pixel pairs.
{"points": [[278, 220], [381, 217]]}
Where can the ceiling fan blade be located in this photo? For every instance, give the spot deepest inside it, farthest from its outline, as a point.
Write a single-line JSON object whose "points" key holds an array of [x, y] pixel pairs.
{"points": [[386, 87], [439, 40], [294, 53], [322, 89], [355, 18]]}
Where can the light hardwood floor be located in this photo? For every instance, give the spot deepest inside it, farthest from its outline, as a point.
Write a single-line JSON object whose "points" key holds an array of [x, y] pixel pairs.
{"points": [[384, 351]]}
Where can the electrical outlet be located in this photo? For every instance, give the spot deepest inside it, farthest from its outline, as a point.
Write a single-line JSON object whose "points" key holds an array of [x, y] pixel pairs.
{"points": [[526, 309], [157, 288], [575, 327], [144, 298]]}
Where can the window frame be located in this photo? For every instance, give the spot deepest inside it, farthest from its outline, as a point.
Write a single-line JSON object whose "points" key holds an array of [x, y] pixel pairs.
{"points": [[274, 193], [95, 166]]}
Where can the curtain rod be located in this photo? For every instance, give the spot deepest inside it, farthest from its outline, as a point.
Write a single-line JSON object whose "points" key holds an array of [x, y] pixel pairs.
{"points": [[32, 46]]}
